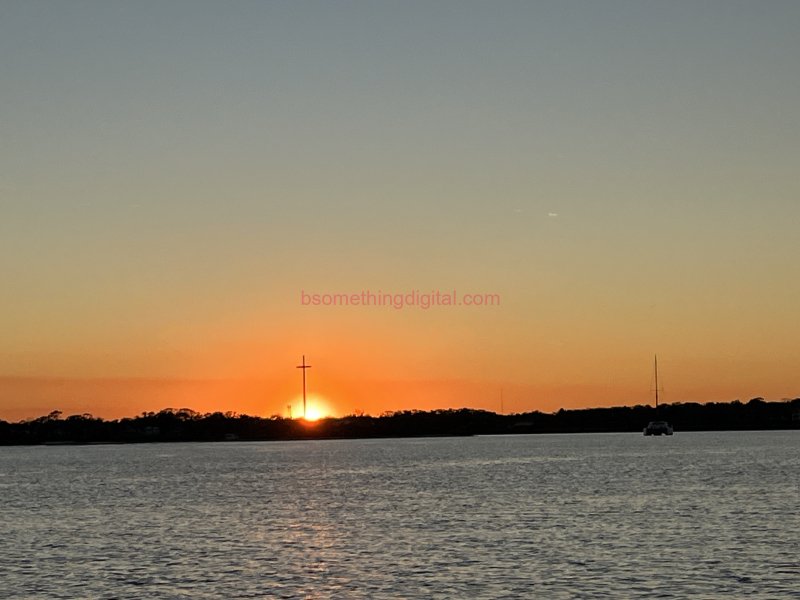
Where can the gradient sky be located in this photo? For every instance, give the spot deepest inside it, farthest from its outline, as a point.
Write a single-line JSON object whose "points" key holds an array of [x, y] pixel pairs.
{"points": [[173, 174]]}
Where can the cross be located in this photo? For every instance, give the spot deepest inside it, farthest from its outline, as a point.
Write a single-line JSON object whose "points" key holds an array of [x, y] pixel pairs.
{"points": [[304, 366]]}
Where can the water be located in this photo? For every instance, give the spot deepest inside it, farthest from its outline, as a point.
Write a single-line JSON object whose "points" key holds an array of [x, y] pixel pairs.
{"points": [[698, 515]]}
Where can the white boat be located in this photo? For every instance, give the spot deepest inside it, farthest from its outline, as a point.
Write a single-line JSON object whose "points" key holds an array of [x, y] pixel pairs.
{"points": [[657, 427]]}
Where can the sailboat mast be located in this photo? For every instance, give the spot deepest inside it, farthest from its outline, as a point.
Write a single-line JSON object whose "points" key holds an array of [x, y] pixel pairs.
{"points": [[655, 366]]}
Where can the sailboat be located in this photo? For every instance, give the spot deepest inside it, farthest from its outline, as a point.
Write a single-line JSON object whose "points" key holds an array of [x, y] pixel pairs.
{"points": [[657, 427]]}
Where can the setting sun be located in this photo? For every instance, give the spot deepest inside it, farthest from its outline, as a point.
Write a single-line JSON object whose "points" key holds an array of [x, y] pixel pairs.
{"points": [[315, 412], [316, 409]]}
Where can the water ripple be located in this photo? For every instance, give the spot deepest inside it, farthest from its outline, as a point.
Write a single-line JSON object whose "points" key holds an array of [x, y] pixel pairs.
{"points": [[580, 516]]}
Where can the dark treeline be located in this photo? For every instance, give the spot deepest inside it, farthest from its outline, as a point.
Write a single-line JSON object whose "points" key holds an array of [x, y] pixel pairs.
{"points": [[175, 425]]}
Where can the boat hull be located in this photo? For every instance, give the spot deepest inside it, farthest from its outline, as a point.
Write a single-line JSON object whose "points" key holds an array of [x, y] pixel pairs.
{"points": [[658, 428]]}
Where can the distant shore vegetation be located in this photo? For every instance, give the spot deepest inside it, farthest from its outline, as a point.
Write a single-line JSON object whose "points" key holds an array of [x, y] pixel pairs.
{"points": [[185, 425]]}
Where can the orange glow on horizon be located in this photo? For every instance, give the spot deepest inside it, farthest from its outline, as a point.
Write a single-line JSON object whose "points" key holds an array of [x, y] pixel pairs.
{"points": [[401, 382], [316, 409], [314, 413]]}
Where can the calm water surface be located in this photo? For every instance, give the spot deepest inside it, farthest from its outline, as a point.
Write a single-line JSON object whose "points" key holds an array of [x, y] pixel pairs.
{"points": [[698, 515]]}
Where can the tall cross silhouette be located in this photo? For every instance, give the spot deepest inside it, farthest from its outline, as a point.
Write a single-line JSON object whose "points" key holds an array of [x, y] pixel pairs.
{"points": [[304, 366]]}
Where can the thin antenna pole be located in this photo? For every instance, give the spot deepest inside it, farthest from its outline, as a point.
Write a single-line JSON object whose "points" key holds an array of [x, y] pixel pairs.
{"points": [[655, 364], [501, 400]]}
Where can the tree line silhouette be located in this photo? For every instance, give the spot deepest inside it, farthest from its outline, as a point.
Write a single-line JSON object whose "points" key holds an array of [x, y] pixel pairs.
{"points": [[183, 425]]}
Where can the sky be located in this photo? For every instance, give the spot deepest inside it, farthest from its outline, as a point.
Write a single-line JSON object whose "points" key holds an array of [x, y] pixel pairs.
{"points": [[174, 175]]}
